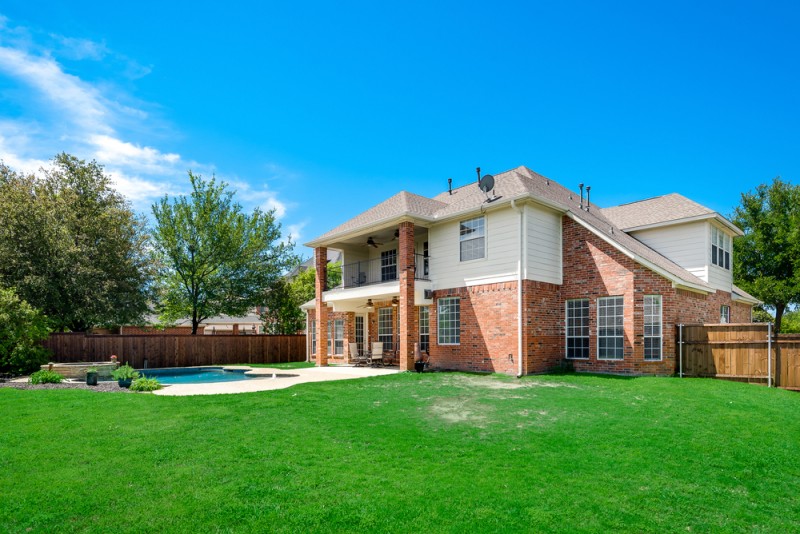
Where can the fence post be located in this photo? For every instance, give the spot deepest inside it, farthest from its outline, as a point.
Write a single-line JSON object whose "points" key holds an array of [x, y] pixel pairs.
{"points": [[769, 355], [680, 350]]}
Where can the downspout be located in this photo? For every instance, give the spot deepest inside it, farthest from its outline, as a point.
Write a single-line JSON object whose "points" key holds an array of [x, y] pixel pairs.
{"points": [[521, 212], [769, 355]]}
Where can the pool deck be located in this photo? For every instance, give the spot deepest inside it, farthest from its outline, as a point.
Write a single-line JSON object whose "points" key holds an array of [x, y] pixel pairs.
{"points": [[310, 374]]}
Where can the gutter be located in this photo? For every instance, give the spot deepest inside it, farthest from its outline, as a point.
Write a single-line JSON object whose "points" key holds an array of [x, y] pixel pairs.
{"points": [[522, 258]]}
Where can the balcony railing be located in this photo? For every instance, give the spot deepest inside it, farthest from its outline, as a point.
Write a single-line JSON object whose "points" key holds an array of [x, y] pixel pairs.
{"points": [[379, 270]]}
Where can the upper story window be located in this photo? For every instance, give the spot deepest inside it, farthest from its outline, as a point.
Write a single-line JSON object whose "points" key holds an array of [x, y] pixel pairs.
{"points": [[472, 237], [388, 265], [720, 248]]}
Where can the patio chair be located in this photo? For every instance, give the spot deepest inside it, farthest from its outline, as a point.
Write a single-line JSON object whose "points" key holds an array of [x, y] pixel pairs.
{"points": [[356, 358], [376, 355]]}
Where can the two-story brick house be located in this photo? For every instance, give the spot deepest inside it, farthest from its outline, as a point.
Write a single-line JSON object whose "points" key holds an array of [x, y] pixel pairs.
{"points": [[519, 279]]}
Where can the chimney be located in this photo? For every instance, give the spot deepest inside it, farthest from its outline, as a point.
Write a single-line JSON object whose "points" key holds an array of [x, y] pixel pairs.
{"points": [[588, 188], [450, 186], [580, 186]]}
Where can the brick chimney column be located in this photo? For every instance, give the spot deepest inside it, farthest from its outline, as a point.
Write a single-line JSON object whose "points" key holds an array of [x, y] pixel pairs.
{"points": [[320, 285], [407, 311]]}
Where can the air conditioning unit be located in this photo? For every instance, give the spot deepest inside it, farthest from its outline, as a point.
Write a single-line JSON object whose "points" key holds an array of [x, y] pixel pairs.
{"points": [[428, 294]]}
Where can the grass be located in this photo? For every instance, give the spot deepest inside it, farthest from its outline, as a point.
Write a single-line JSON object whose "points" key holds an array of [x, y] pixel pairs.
{"points": [[408, 452]]}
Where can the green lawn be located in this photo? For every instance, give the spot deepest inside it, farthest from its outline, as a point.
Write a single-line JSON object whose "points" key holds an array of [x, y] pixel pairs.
{"points": [[407, 453]]}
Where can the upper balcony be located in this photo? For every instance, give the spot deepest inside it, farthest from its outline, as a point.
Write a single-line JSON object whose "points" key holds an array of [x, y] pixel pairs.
{"points": [[376, 271]]}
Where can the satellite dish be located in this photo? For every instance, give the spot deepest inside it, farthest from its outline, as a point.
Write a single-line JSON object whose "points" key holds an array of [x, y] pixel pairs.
{"points": [[486, 183]]}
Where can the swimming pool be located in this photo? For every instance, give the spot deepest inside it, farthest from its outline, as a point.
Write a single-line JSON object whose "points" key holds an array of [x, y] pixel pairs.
{"points": [[196, 375]]}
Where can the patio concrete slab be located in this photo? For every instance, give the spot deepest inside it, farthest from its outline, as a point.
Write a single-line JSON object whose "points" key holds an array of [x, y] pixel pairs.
{"points": [[266, 382]]}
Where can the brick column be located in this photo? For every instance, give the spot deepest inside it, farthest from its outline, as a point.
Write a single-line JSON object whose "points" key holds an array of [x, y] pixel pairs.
{"points": [[407, 311], [321, 284]]}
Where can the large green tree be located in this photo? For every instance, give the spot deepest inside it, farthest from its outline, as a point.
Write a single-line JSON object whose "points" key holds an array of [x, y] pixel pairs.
{"points": [[215, 259], [768, 255], [71, 246], [22, 328]]}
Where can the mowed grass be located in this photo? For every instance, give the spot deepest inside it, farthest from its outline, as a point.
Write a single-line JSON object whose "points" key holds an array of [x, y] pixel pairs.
{"points": [[407, 453]]}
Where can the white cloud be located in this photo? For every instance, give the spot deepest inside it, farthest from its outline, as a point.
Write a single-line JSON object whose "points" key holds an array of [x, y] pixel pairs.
{"points": [[61, 112], [295, 231]]}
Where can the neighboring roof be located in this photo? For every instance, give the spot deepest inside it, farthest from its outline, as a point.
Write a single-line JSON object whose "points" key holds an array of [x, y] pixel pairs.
{"points": [[661, 211], [517, 184], [152, 319]]}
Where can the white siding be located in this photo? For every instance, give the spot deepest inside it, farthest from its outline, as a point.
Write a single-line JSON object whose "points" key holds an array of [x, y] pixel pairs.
{"points": [[688, 245], [719, 278], [543, 245], [502, 243]]}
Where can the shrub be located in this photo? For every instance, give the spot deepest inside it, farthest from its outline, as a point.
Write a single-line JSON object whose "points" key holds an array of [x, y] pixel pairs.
{"points": [[125, 372], [145, 384], [22, 327], [45, 377]]}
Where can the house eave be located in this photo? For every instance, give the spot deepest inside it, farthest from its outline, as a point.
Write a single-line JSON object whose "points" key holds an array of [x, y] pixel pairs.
{"points": [[706, 216], [331, 240]]}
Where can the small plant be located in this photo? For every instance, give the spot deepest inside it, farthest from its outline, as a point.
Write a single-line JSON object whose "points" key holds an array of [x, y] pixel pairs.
{"points": [[45, 377], [91, 370], [125, 372], [145, 384]]}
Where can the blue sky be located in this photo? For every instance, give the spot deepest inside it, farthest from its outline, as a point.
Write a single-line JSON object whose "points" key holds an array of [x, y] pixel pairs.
{"points": [[322, 110]]}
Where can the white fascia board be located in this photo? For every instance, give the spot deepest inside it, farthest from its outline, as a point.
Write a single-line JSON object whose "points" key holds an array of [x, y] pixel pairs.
{"points": [[506, 203], [676, 282], [706, 216], [745, 300]]}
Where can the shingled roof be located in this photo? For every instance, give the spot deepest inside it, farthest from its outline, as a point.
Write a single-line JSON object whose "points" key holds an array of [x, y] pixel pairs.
{"points": [[521, 183]]}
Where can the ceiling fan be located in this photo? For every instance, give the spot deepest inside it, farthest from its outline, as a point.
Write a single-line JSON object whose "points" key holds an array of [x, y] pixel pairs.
{"points": [[372, 243]]}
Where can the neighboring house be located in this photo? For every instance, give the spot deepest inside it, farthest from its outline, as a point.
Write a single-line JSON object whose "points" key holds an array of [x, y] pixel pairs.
{"points": [[520, 279], [221, 324]]}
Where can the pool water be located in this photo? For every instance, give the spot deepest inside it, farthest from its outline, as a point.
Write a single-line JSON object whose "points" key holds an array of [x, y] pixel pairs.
{"points": [[195, 375]]}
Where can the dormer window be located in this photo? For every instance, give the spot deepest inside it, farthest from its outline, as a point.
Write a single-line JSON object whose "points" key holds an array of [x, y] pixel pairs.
{"points": [[720, 248]]}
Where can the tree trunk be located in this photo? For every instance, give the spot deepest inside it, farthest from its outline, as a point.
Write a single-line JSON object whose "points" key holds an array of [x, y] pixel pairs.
{"points": [[779, 309]]}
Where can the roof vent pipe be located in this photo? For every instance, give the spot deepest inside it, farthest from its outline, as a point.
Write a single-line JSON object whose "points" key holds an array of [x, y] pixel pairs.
{"points": [[588, 188], [580, 186], [450, 186]]}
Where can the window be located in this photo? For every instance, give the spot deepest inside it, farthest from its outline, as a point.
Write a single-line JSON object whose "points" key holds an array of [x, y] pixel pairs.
{"points": [[472, 237], [360, 332], [388, 265], [385, 330], [652, 327], [424, 328], [578, 328], [425, 260], [720, 248], [449, 319], [336, 336], [313, 327], [724, 314], [609, 328]]}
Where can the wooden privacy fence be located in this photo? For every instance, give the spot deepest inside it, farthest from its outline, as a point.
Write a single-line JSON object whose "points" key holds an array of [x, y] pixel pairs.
{"points": [[168, 350], [741, 352]]}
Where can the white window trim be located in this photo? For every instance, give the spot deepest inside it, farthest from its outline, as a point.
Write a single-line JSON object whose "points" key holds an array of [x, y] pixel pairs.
{"points": [[727, 316], [727, 246], [485, 239], [566, 330], [438, 322], [608, 337], [660, 329]]}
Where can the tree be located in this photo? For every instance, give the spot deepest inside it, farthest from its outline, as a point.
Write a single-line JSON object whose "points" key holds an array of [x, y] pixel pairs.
{"points": [[768, 255], [22, 327], [215, 259], [72, 247]]}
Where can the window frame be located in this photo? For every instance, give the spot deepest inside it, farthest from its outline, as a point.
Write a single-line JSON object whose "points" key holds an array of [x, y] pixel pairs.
{"points": [[570, 328], [389, 265], [335, 326], [386, 338], [604, 304], [313, 325], [450, 335], [724, 314], [424, 329], [463, 227], [721, 247], [645, 325]]}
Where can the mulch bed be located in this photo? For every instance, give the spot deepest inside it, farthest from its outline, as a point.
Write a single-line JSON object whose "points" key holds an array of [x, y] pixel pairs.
{"points": [[104, 387]]}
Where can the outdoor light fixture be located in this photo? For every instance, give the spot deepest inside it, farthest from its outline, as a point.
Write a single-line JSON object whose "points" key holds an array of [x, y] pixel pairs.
{"points": [[395, 301], [369, 304]]}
